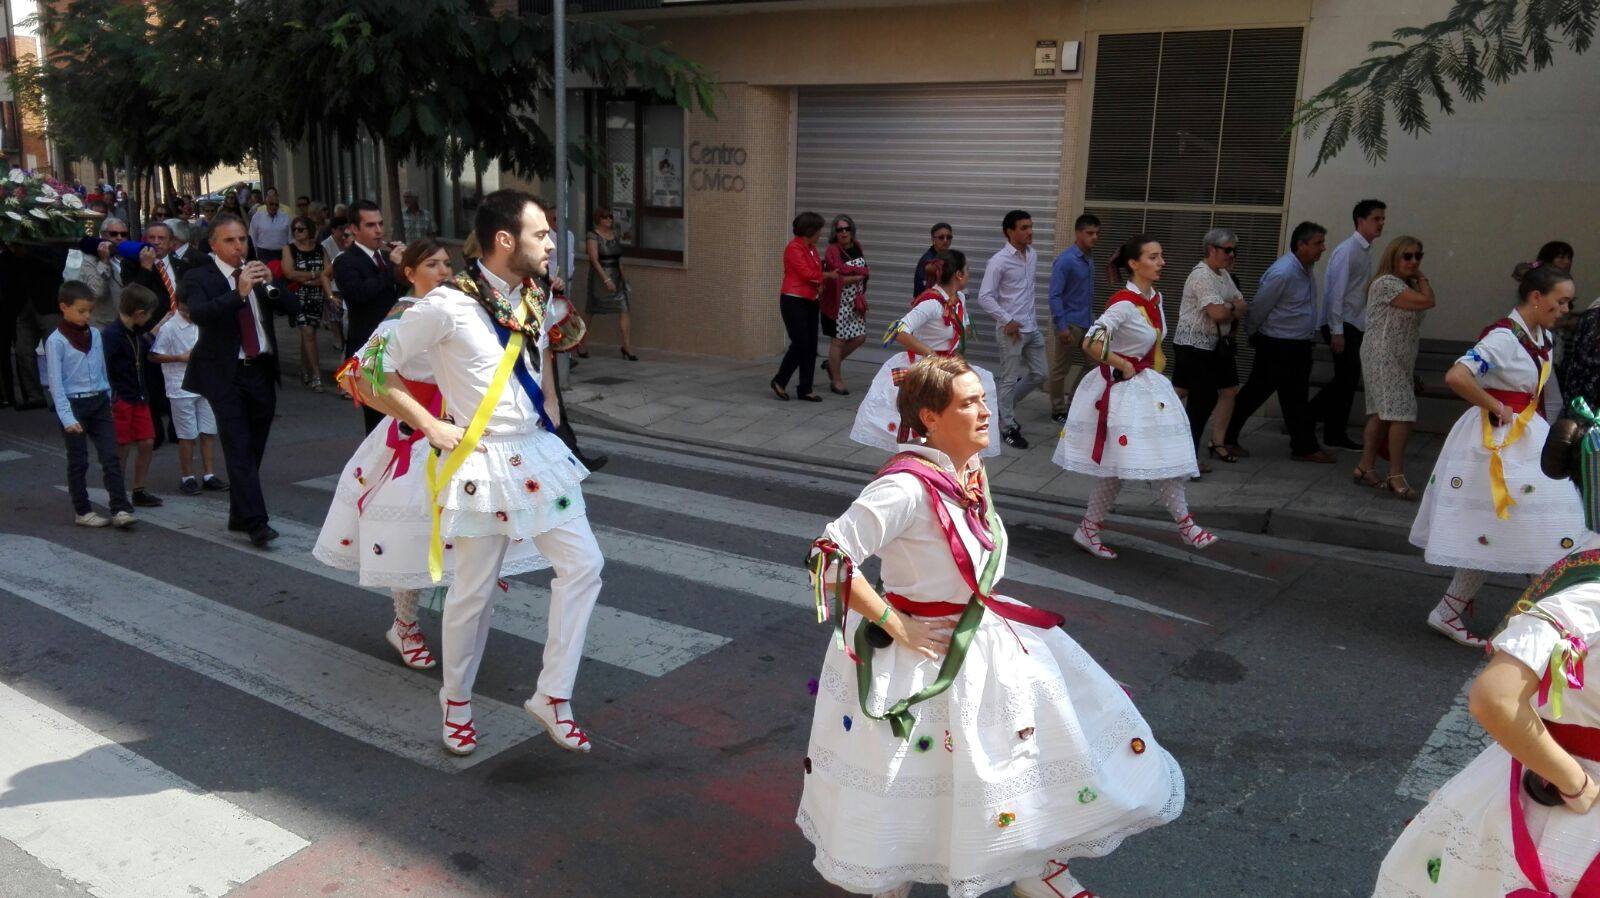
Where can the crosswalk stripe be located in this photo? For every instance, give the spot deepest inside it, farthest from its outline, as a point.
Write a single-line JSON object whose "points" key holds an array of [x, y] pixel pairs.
{"points": [[621, 638], [1456, 739], [785, 583], [378, 702], [114, 821], [11, 455], [806, 526]]}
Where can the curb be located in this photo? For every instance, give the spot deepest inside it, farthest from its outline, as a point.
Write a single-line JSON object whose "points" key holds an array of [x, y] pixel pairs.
{"points": [[1265, 520]]}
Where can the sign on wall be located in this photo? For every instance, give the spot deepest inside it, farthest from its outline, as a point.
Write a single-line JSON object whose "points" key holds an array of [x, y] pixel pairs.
{"points": [[666, 177]]}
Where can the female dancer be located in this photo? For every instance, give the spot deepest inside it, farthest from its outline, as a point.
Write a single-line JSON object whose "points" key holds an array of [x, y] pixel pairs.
{"points": [[1487, 506], [379, 523], [1127, 422], [936, 324], [974, 743], [1517, 821]]}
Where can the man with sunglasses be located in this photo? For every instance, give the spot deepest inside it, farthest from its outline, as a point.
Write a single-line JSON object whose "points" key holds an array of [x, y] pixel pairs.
{"points": [[1344, 290], [942, 234]]}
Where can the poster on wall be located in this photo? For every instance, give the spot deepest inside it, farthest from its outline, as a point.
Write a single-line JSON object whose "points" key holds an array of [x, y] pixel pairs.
{"points": [[622, 183], [622, 221], [666, 177]]}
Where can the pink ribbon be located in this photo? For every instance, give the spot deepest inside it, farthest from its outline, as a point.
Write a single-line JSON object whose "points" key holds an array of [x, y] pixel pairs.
{"points": [[400, 445]]}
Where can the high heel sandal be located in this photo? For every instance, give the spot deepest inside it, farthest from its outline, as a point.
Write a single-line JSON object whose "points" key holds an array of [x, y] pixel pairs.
{"points": [[1222, 453], [316, 385], [1363, 477], [628, 355], [1405, 492]]}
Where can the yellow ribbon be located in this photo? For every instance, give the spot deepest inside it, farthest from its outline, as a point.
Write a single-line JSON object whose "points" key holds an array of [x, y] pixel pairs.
{"points": [[1519, 425], [438, 478]]}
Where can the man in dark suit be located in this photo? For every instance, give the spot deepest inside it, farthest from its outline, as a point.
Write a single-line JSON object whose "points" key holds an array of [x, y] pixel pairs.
{"points": [[369, 279], [234, 365]]}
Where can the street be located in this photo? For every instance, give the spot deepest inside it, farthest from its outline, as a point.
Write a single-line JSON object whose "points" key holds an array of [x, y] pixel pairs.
{"points": [[187, 715]]}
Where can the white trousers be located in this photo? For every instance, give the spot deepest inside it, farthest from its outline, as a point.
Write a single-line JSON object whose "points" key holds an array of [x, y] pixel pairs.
{"points": [[469, 606]]}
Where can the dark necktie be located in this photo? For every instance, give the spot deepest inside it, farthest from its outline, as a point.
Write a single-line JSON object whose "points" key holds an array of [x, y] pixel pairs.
{"points": [[378, 260], [247, 324]]}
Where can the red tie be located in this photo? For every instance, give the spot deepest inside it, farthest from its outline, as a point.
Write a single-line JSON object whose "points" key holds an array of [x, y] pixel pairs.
{"points": [[247, 325], [166, 279]]}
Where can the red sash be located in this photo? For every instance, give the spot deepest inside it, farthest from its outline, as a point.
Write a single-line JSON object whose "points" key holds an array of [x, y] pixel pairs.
{"points": [[954, 317], [1516, 400], [1540, 354], [400, 444], [1583, 742], [1152, 313]]}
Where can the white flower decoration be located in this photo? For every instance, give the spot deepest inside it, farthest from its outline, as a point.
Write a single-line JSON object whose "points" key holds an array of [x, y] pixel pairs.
{"points": [[14, 215], [72, 201], [17, 177], [39, 214]]}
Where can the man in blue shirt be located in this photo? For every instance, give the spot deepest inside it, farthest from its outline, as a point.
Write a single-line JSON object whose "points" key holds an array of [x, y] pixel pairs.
{"points": [[1283, 319], [1071, 310], [942, 234], [1344, 323]]}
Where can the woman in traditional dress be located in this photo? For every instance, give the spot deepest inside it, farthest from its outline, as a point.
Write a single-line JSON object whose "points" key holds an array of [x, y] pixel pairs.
{"points": [[843, 301], [1517, 821], [1397, 298], [1126, 421], [380, 521], [936, 324], [974, 744], [1487, 506]]}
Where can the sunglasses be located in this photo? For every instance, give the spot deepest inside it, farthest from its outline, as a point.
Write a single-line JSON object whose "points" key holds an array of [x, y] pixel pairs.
{"points": [[114, 233], [301, 230], [1230, 250], [1411, 257], [842, 230], [942, 236]]}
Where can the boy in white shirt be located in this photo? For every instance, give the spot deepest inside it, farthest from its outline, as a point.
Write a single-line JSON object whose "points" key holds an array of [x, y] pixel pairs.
{"points": [[191, 414]]}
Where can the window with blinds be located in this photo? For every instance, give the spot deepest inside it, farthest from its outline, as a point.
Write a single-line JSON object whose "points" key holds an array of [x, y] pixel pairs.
{"points": [[1190, 131]]}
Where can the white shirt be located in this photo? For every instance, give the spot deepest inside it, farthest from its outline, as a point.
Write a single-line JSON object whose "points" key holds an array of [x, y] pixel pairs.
{"points": [[255, 308], [1008, 286], [459, 338], [1344, 284], [417, 366], [1128, 328], [270, 232], [330, 247], [894, 520], [1501, 363], [1203, 288], [925, 321], [177, 337]]}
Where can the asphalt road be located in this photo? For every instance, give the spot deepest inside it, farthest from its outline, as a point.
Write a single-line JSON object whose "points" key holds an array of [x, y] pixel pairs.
{"points": [[185, 715]]}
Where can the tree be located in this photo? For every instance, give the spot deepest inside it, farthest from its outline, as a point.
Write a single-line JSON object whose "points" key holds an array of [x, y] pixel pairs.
{"points": [[1478, 42]]}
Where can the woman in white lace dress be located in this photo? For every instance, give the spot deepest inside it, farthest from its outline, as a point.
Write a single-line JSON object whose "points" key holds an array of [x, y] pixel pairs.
{"points": [[1126, 421], [1397, 299], [977, 745]]}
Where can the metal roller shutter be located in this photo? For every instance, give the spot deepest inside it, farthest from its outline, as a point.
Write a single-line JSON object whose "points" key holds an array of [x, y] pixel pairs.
{"points": [[897, 159]]}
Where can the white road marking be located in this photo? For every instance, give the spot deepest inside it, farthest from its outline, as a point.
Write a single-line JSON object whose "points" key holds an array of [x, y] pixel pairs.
{"points": [[1454, 742], [638, 643], [116, 823], [378, 702], [11, 455]]}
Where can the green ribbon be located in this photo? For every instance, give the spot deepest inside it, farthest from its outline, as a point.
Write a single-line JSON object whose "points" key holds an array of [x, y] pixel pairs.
{"points": [[899, 714]]}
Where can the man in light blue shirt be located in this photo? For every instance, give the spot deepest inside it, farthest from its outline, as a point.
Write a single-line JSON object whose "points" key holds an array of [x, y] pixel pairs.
{"points": [[1344, 296], [1283, 319], [1007, 295], [1071, 310]]}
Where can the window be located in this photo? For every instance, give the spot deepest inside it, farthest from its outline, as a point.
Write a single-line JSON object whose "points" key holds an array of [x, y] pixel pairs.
{"points": [[640, 142], [1190, 130]]}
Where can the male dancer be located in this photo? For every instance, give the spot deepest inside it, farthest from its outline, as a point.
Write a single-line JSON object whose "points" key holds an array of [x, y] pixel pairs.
{"points": [[512, 478]]}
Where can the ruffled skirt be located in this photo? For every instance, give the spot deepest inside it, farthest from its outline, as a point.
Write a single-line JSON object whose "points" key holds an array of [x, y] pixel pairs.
{"points": [[1147, 435], [878, 423], [1028, 756], [1460, 844], [386, 538], [1456, 524]]}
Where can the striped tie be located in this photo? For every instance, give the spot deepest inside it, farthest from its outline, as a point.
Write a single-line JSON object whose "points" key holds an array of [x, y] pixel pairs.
{"points": [[166, 279]]}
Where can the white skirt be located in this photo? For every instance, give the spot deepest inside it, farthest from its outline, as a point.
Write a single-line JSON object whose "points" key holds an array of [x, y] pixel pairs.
{"points": [[387, 540], [1456, 524], [877, 421], [1147, 435], [1465, 835], [1045, 738]]}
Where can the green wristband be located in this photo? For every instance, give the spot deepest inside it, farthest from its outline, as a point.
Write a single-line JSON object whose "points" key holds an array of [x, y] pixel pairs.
{"points": [[885, 616]]}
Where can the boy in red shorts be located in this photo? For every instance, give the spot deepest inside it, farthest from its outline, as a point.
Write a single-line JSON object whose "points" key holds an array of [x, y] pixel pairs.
{"points": [[130, 406]]}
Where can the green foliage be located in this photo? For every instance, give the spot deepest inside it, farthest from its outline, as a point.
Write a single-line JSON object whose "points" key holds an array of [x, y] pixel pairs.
{"points": [[1478, 42]]}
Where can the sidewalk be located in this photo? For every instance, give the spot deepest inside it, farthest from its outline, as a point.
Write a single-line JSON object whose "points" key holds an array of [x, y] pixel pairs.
{"points": [[719, 402]]}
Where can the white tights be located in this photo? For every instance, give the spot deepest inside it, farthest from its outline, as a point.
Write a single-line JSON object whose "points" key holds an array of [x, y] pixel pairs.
{"points": [[1466, 583], [405, 604], [1170, 491]]}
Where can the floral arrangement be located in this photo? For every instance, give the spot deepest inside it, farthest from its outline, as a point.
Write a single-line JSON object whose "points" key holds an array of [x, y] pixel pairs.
{"points": [[41, 208]]}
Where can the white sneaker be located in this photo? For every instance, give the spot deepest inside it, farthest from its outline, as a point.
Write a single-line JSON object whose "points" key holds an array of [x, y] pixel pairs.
{"points": [[1055, 883], [459, 738], [124, 519], [92, 519], [564, 731], [407, 639]]}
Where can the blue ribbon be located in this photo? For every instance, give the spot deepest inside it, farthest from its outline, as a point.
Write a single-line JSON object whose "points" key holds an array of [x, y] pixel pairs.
{"points": [[524, 377]]}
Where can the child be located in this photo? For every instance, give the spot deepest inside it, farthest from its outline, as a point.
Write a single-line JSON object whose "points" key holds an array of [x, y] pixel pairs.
{"points": [[130, 407], [75, 369], [191, 414]]}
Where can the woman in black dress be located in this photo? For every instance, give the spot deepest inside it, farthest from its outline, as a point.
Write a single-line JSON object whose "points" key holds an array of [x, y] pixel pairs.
{"points": [[302, 268]]}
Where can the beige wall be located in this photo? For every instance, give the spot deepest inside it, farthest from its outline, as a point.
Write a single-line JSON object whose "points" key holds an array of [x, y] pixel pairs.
{"points": [[1484, 189]]}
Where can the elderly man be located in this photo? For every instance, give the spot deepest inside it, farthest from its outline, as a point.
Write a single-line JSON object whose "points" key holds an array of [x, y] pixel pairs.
{"points": [[1283, 322], [269, 228]]}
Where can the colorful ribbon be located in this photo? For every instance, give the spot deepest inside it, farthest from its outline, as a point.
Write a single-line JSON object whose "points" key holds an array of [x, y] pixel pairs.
{"points": [[1588, 462], [1519, 426]]}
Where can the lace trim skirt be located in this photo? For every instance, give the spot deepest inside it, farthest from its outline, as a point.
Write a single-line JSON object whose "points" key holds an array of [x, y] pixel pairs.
{"points": [[1463, 837], [1456, 525], [386, 541], [1029, 756], [1147, 434], [878, 423]]}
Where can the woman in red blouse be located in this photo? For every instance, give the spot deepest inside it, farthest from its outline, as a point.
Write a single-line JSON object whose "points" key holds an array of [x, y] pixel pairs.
{"points": [[797, 301]]}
